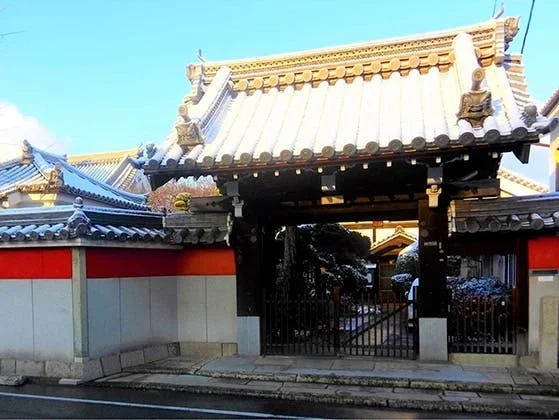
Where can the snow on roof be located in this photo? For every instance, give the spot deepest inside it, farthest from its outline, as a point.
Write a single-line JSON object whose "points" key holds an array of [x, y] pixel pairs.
{"points": [[38, 170]]}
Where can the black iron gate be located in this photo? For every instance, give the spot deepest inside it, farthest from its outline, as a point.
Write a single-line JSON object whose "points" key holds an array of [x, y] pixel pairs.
{"points": [[339, 325], [484, 324]]}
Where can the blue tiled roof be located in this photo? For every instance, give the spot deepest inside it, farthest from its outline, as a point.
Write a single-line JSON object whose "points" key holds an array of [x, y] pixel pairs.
{"points": [[78, 221], [40, 170]]}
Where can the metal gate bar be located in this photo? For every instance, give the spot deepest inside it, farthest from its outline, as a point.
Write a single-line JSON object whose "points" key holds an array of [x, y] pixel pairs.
{"points": [[482, 325], [339, 324]]}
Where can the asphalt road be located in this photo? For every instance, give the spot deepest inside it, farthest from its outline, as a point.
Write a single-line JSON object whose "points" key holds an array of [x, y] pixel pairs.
{"points": [[39, 401]]}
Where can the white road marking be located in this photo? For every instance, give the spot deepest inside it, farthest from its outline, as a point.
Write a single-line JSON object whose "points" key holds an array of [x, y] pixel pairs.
{"points": [[152, 406]]}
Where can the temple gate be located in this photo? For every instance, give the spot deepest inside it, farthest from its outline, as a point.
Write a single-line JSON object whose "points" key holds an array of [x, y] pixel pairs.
{"points": [[389, 130]]}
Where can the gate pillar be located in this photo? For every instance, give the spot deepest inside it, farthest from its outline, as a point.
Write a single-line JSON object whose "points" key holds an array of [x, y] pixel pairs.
{"points": [[433, 234], [247, 242]]}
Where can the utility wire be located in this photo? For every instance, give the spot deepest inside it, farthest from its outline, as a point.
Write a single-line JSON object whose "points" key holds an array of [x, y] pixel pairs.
{"points": [[494, 8], [527, 26]]}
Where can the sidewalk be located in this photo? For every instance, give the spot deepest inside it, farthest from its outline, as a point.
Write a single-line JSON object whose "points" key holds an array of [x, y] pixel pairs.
{"points": [[356, 381]]}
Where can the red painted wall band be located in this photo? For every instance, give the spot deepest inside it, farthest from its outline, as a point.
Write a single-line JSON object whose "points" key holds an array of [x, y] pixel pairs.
{"points": [[543, 253], [36, 263], [115, 262]]}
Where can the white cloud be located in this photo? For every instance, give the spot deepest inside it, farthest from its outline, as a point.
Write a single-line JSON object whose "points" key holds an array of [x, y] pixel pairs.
{"points": [[16, 127]]}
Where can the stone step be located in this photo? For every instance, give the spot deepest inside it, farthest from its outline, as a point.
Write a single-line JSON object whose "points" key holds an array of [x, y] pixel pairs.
{"points": [[357, 395]]}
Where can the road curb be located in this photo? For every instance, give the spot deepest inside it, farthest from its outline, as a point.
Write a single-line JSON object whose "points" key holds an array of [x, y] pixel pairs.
{"points": [[12, 380], [501, 407], [376, 381]]}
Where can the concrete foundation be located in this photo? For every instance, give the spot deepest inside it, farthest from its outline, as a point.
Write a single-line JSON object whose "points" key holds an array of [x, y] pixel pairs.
{"points": [[248, 335], [474, 359], [199, 349], [433, 345]]}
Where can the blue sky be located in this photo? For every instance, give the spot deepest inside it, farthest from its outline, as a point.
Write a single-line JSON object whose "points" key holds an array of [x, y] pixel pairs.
{"points": [[109, 74]]}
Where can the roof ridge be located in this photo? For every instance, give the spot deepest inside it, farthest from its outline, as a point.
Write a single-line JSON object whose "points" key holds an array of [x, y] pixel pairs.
{"points": [[381, 41], [126, 197], [27, 143], [491, 39], [550, 103], [117, 191], [101, 156], [522, 180], [44, 167]]}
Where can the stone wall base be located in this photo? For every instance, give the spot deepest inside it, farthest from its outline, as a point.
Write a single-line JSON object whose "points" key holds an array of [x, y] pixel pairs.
{"points": [[203, 349], [433, 339], [88, 369], [479, 359]]}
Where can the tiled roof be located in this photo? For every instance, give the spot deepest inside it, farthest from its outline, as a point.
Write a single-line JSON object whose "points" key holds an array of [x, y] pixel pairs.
{"points": [[551, 103], [69, 222], [39, 171], [118, 169], [379, 98], [537, 212], [505, 173]]}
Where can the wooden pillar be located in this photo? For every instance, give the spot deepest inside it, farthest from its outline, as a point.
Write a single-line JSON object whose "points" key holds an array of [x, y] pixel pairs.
{"points": [[433, 235], [248, 252], [521, 291], [520, 296], [247, 242], [269, 257]]}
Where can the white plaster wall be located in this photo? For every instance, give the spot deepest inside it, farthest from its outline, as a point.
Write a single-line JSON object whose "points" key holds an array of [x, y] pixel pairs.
{"points": [[16, 313], [53, 333], [134, 312], [103, 309], [540, 286], [163, 313], [191, 306], [207, 308], [128, 313], [36, 319]]}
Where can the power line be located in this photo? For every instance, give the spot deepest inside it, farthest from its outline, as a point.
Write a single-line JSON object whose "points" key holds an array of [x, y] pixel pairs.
{"points": [[527, 26]]}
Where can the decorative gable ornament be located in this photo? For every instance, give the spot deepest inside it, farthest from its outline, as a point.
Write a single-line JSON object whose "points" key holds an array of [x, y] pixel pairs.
{"points": [[26, 153], [533, 119], [188, 131], [475, 105], [78, 223], [511, 29], [56, 177]]}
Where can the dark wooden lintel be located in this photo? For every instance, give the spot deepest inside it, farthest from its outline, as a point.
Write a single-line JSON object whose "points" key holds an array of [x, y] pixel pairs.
{"points": [[392, 210], [475, 189]]}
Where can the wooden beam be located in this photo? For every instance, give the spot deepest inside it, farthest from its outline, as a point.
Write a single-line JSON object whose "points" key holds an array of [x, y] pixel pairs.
{"points": [[475, 189], [339, 213]]}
